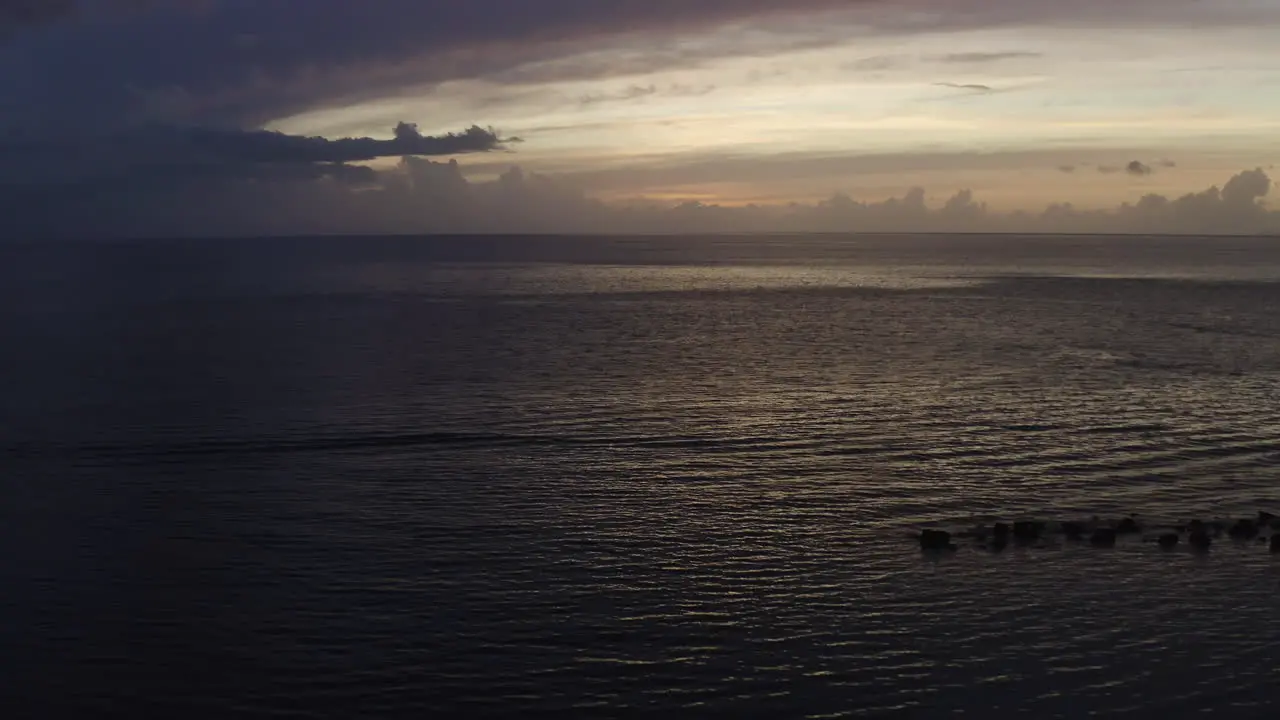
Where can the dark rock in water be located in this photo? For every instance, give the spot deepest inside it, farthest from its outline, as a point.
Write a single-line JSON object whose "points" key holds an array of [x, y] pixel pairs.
{"points": [[1200, 539], [1195, 526], [999, 543], [1103, 537], [1027, 530], [936, 540], [1128, 526], [1168, 540], [1244, 530], [1073, 530], [1265, 518], [1000, 531], [1275, 543]]}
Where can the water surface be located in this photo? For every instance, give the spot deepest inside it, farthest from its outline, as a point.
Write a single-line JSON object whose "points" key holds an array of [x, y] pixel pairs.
{"points": [[601, 477]]}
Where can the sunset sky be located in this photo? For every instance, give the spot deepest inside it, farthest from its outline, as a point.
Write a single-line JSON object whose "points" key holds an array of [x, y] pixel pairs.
{"points": [[1022, 101], [1025, 102]]}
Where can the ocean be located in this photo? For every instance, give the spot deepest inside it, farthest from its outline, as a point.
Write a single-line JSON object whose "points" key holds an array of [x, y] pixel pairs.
{"points": [[634, 477]]}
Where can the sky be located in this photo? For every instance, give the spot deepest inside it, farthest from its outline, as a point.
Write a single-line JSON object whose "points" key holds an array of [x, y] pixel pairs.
{"points": [[631, 107]]}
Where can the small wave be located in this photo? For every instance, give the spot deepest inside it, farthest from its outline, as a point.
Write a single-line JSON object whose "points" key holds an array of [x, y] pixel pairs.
{"points": [[1125, 428], [271, 446], [1223, 330], [390, 441]]}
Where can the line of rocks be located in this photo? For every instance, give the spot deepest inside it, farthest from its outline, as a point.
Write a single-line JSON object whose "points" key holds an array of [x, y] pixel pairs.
{"points": [[1199, 534]]}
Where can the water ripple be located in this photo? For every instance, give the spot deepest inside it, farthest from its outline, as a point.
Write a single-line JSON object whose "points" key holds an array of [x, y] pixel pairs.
{"points": [[623, 490]]}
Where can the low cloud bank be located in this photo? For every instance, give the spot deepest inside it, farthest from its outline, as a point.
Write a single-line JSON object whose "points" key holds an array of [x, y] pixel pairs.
{"points": [[424, 196]]}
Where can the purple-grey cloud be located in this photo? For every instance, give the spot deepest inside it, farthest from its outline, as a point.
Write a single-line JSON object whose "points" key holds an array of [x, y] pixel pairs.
{"points": [[200, 152], [241, 63], [275, 147], [17, 13], [245, 62]]}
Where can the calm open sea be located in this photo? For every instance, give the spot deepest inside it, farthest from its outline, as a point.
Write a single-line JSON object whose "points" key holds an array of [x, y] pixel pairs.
{"points": [[668, 477]]}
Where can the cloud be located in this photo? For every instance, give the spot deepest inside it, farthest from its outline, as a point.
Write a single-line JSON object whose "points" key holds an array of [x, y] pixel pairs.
{"points": [[973, 87], [420, 196], [1137, 169], [631, 93], [683, 90], [238, 63], [16, 15], [1245, 189], [764, 174], [1066, 168], [30, 12], [967, 58], [275, 147], [203, 152], [303, 60], [1167, 163], [875, 63], [637, 92]]}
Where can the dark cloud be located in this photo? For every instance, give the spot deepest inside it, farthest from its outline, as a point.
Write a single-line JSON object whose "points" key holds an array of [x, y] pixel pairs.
{"points": [[1066, 168], [241, 63], [1137, 169], [200, 152], [1167, 163], [17, 13], [274, 147]]}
